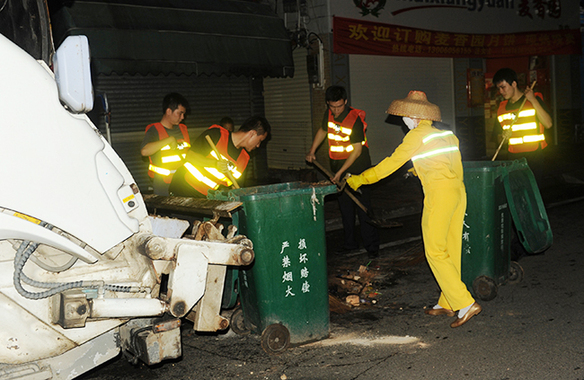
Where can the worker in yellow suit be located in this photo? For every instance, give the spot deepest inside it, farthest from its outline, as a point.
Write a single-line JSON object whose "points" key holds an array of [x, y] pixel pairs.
{"points": [[438, 164]]}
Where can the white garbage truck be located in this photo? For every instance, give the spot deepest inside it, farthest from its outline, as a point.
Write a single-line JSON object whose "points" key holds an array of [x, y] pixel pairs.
{"points": [[85, 271]]}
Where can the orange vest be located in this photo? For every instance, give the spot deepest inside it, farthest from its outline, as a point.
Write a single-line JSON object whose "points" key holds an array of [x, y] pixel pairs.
{"points": [[527, 135], [204, 178], [339, 134], [167, 160]]}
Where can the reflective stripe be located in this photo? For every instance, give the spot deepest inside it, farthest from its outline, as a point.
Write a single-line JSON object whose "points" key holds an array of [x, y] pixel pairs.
{"points": [[527, 113], [167, 159], [533, 138], [435, 152], [526, 139], [436, 135], [340, 129], [334, 137], [161, 171], [200, 177], [338, 149], [511, 116], [216, 173]]}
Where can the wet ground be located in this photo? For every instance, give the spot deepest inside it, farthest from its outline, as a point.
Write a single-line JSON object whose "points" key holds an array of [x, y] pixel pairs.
{"points": [[531, 330]]}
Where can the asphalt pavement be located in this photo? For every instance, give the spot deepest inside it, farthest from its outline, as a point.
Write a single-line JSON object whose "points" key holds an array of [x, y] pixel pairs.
{"points": [[530, 330]]}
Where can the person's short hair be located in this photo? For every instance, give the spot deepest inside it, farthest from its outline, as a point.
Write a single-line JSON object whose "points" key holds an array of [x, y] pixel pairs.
{"points": [[256, 123], [173, 100], [335, 93], [505, 74], [226, 120]]}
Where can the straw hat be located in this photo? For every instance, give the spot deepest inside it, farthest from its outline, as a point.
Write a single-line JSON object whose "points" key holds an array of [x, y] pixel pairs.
{"points": [[416, 106]]}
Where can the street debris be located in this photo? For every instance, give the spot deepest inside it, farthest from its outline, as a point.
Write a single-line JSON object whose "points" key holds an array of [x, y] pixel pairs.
{"points": [[355, 287], [358, 288]]}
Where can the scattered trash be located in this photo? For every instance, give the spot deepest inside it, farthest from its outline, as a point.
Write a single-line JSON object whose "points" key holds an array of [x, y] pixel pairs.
{"points": [[355, 287], [353, 300]]}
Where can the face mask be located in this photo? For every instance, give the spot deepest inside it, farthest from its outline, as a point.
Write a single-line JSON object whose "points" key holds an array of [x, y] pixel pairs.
{"points": [[409, 122]]}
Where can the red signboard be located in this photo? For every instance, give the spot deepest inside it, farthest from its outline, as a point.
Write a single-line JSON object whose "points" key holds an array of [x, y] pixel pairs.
{"points": [[365, 37]]}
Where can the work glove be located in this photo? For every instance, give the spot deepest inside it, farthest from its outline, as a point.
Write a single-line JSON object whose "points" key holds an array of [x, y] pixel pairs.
{"points": [[507, 133], [367, 177], [354, 182], [222, 166]]}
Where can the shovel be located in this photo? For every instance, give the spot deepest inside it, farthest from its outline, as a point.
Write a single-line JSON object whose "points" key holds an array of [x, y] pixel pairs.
{"points": [[372, 219], [511, 125]]}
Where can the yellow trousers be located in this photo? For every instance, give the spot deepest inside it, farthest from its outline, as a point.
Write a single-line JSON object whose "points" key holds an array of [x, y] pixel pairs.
{"points": [[442, 220]]}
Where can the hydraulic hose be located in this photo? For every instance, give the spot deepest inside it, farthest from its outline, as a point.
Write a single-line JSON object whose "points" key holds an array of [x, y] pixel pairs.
{"points": [[24, 252]]}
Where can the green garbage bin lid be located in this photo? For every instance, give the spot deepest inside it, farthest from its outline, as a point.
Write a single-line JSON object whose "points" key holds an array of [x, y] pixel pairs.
{"points": [[527, 208], [273, 191]]}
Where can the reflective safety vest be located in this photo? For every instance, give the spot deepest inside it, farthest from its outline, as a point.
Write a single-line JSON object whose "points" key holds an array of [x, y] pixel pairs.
{"points": [[527, 135], [167, 160], [339, 134], [204, 178]]}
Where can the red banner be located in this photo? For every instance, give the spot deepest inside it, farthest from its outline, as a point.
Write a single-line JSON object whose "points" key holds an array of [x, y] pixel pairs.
{"points": [[365, 37]]}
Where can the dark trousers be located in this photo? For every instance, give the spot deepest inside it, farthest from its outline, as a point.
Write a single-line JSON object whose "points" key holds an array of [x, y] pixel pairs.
{"points": [[369, 233]]}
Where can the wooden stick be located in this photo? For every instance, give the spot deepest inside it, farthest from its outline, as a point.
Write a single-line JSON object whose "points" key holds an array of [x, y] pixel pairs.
{"points": [[229, 174], [511, 125]]}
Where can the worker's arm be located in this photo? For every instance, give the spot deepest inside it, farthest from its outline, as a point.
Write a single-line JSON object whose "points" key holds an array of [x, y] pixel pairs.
{"points": [[318, 139], [357, 149], [154, 146], [411, 143], [542, 115]]}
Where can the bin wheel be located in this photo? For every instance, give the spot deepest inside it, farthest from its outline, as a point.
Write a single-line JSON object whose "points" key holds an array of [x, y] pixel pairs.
{"points": [[237, 322], [515, 273], [485, 288], [275, 339]]}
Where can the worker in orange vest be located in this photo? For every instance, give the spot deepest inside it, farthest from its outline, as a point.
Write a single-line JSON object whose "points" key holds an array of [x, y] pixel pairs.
{"points": [[203, 170], [345, 128], [526, 129], [166, 143]]}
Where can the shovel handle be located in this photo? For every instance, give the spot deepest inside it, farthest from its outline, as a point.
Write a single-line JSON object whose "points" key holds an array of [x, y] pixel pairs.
{"points": [[229, 174], [519, 110], [351, 195]]}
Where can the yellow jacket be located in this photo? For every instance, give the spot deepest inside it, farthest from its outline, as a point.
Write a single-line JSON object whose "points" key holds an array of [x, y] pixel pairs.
{"points": [[434, 153]]}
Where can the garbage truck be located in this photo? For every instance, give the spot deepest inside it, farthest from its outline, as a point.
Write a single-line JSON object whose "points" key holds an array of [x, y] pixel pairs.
{"points": [[85, 271]]}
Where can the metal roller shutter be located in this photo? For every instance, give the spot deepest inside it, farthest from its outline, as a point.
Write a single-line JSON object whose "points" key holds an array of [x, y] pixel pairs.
{"points": [[288, 109], [136, 101], [378, 80]]}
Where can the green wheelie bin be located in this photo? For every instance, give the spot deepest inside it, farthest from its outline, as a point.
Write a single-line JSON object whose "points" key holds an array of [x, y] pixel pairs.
{"points": [[500, 194], [284, 292]]}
